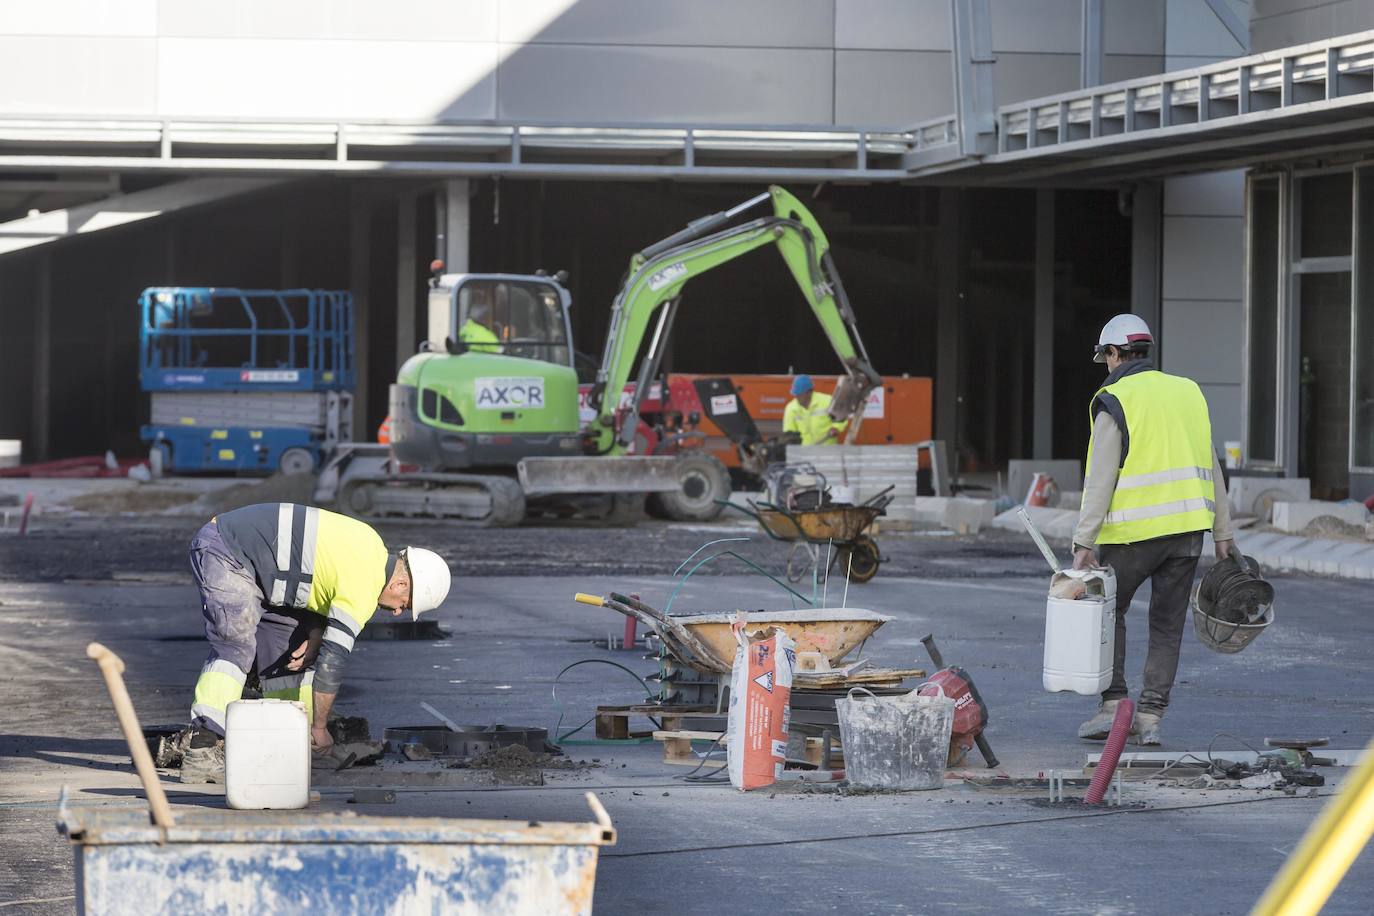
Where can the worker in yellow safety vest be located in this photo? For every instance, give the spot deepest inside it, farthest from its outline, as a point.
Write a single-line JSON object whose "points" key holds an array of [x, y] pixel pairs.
{"points": [[476, 332], [285, 589], [1153, 487], [807, 414]]}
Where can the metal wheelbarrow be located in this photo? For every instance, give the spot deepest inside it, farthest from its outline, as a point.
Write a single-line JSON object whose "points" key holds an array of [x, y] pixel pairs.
{"points": [[855, 553]]}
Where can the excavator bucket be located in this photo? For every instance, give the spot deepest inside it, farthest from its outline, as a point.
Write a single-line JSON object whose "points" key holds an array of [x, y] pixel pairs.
{"points": [[606, 474]]}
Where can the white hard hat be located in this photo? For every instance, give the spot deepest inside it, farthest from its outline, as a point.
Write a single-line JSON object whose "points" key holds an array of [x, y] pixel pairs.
{"points": [[429, 579], [1122, 331]]}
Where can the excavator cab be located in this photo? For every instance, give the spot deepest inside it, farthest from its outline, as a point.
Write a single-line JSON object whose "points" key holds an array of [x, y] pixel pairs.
{"points": [[526, 317]]}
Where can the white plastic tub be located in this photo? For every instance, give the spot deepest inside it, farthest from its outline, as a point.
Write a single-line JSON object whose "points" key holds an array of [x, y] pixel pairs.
{"points": [[266, 754], [1080, 635], [11, 451]]}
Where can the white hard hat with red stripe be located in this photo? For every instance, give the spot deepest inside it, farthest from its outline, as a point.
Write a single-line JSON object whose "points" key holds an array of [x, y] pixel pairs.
{"points": [[1123, 332]]}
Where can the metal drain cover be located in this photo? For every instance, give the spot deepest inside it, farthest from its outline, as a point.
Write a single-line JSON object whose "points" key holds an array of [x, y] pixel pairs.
{"points": [[468, 741]]}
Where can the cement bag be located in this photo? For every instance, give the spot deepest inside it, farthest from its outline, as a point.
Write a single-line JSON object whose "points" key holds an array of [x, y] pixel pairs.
{"points": [[760, 685]]}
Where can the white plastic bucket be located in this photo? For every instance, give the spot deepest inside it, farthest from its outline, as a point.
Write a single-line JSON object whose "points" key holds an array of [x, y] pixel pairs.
{"points": [[266, 754], [10, 452], [895, 742]]}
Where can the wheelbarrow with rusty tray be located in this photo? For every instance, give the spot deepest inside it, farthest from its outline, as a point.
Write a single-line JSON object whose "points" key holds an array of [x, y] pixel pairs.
{"points": [[844, 528]]}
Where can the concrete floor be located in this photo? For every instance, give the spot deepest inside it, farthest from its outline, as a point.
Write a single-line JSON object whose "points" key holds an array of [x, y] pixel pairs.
{"points": [[698, 848]]}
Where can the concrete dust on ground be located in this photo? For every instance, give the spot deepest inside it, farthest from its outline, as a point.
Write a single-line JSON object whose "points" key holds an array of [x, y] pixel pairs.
{"points": [[145, 498]]}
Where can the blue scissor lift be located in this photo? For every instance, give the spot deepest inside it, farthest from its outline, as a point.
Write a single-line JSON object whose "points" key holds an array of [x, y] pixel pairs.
{"points": [[246, 380]]}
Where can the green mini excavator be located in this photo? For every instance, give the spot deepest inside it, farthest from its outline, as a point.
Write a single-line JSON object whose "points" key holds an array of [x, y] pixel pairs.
{"points": [[490, 411]]}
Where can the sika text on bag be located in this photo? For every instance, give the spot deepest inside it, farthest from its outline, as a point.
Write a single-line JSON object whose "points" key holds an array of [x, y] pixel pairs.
{"points": [[760, 687]]}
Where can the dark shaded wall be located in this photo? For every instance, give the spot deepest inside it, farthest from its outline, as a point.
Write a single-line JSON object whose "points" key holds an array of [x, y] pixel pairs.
{"points": [[747, 316]]}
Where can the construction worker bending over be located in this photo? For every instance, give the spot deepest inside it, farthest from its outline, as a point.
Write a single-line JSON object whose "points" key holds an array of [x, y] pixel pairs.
{"points": [[1153, 487], [288, 588], [807, 414]]}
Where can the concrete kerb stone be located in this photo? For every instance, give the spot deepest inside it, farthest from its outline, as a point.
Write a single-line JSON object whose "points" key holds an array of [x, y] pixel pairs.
{"points": [[1317, 556], [959, 514], [1252, 495], [1294, 516]]}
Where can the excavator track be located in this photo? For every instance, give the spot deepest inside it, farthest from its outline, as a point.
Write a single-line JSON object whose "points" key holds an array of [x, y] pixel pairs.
{"points": [[485, 500]]}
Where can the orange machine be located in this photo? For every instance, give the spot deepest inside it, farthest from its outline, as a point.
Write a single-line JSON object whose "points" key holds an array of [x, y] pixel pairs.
{"points": [[898, 413]]}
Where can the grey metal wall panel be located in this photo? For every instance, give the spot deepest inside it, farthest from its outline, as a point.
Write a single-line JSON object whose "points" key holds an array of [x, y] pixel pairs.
{"points": [[1202, 257], [1042, 26], [1208, 194], [1202, 340], [1028, 76], [360, 79], [79, 17], [889, 88], [1193, 29], [394, 20], [1133, 26], [584, 83], [1223, 404], [905, 25], [712, 23], [1278, 25], [78, 75], [1129, 66]]}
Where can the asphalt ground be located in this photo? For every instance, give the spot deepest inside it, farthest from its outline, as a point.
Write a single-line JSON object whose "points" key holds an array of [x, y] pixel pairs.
{"points": [[684, 847]]}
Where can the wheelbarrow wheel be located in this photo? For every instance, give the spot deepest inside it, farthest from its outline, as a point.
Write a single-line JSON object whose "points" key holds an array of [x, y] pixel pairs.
{"points": [[863, 559], [799, 561]]}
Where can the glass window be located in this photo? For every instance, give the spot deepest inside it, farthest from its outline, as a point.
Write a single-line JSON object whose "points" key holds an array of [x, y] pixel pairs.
{"points": [[513, 317], [1324, 205], [1362, 425], [1262, 303]]}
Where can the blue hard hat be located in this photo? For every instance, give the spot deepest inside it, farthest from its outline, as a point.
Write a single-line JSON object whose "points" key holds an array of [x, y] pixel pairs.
{"points": [[801, 384]]}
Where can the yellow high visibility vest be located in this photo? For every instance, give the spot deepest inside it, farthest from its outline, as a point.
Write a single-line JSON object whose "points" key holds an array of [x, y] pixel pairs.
{"points": [[1165, 486], [479, 337], [811, 423]]}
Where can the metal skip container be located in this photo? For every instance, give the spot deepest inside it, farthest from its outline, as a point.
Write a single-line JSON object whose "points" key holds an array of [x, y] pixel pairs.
{"points": [[256, 862]]}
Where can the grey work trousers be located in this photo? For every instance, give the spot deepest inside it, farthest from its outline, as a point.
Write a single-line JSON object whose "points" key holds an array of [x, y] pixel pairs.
{"points": [[1170, 564], [242, 630]]}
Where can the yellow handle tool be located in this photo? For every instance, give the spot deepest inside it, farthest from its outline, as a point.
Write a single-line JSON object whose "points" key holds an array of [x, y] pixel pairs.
{"points": [[584, 598]]}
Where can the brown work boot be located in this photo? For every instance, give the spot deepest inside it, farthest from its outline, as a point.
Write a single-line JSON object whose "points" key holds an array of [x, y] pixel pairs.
{"points": [[203, 765], [1146, 729], [1100, 725]]}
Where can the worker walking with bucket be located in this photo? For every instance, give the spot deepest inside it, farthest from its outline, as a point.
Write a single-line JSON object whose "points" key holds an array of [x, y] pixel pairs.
{"points": [[287, 589], [807, 415], [1153, 487]]}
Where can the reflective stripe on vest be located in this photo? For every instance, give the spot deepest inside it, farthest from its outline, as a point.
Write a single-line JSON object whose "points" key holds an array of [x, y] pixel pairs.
{"points": [[298, 529], [340, 629], [1165, 485]]}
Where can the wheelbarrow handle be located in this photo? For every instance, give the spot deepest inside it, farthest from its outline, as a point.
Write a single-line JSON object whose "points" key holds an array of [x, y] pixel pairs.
{"points": [[112, 668]]}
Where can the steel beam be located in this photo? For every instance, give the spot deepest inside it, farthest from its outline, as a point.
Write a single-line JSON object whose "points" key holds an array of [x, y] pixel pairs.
{"points": [[1042, 430], [1090, 45], [971, 24]]}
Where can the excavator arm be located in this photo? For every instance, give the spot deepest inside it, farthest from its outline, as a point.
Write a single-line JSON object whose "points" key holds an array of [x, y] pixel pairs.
{"points": [[654, 285]]}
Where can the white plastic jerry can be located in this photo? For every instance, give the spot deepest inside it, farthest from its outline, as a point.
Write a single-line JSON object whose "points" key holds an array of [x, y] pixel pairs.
{"points": [[1080, 634], [266, 754]]}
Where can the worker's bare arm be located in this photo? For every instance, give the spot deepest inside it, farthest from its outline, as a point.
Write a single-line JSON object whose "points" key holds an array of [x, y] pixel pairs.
{"points": [[319, 729]]}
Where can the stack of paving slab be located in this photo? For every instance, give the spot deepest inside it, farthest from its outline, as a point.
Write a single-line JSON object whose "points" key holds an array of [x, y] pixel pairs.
{"points": [[868, 469]]}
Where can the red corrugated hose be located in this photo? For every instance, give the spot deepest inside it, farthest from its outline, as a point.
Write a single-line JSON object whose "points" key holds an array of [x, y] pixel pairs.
{"points": [[1116, 741]]}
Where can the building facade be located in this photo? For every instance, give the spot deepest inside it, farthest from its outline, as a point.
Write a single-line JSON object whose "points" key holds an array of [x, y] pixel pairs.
{"points": [[330, 144]]}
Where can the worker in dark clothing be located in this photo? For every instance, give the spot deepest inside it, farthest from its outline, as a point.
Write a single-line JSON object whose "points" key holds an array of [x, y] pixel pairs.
{"points": [[287, 589], [1153, 487]]}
